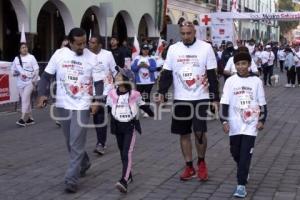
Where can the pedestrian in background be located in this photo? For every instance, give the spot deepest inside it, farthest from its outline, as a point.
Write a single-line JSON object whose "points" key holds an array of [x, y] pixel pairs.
{"points": [[26, 69], [267, 59], [289, 65], [105, 68], [144, 68]]}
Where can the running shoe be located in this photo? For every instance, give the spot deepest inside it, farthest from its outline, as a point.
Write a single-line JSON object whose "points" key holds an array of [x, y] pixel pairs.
{"points": [[70, 188], [21, 122], [84, 170], [202, 171], [188, 173], [122, 186], [240, 191], [30, 121], [100, 149]]}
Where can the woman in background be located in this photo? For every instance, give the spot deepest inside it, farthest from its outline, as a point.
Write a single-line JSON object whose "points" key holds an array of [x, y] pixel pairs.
{"points": [[26, 69]]}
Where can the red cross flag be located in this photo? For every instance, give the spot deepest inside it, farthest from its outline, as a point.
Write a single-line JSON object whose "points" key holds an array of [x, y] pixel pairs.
{"points": [[205, 20]]}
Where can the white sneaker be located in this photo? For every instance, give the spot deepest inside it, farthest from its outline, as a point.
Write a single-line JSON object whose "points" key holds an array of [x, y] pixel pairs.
{"points": [[145, 115], [293, 86], [288, 85]]}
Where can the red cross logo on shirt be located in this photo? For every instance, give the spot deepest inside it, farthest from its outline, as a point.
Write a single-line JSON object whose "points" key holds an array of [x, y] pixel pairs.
{"points": [[206, 20]]}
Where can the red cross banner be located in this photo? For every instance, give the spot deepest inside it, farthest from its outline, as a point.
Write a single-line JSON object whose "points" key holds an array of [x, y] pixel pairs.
{"points": [[222, 30], [205, 20]]}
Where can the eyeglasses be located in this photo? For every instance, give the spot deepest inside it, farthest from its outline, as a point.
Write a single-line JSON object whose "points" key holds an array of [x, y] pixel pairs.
{"points": [[186, 23]]}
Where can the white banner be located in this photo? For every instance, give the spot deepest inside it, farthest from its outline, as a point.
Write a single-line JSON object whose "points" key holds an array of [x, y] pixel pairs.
{"points": [[8, 84], [258, 16], [222, 29]]}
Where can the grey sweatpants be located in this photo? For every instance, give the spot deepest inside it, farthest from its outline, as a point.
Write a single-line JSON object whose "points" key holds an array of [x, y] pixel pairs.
{"points": [[75, 136]]}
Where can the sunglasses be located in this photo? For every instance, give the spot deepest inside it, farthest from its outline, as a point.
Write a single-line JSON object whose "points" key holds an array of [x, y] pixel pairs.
{"points": [[186, 23]]}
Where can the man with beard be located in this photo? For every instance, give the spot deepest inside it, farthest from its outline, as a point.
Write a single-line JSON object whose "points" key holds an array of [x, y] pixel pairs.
{"points": [[189, 64], [74, 68]]}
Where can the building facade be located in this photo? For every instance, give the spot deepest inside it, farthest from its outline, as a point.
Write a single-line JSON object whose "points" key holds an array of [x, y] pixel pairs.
{"points": [[47, 22], [178, 10]]}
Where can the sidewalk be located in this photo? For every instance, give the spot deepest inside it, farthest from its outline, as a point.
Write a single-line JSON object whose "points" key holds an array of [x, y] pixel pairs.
{"points": [[33, 160]]}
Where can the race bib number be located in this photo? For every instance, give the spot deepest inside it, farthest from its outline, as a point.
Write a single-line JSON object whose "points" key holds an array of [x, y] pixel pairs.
{"points": [[187, 73], [123, 113], [244, 101], [71, 77]]}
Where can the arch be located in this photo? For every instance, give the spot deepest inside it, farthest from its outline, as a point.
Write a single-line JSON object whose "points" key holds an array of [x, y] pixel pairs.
{"points": [[65, 14], [171, 16], [10, 34], [51, 30], [22, 15], [181, 19], [93, 22], [149, 28], [123, 21]]}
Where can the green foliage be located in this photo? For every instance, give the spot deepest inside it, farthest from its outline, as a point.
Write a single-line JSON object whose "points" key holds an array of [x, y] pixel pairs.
{"points": [[289, 6]]}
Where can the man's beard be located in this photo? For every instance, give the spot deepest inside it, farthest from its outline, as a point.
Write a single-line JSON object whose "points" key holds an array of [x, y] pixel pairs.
{"points": [[79, 52]]}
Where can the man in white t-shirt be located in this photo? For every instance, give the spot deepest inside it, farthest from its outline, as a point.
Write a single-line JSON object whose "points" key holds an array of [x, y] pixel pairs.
{"points": [[188, 65], [243, 113], [105, 69], [281, 57], [267, 60], [74, 68], [230, 68]]}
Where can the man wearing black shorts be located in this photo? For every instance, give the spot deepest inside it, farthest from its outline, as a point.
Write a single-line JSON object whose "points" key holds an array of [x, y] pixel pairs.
{"points": [[189, 65]]}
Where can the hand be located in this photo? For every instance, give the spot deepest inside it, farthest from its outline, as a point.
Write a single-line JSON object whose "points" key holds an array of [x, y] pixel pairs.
{"points": [[42, 101], [159, 99], [16, 73], [94, 108], [215, 106], [226, 128], [205, 80], [260, 126]]}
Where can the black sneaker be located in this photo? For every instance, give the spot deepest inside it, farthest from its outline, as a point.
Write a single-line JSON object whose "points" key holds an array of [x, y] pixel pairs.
{"points": [[30, 121], [21, 122], [71, 188], [122, 186], [84, 170]]}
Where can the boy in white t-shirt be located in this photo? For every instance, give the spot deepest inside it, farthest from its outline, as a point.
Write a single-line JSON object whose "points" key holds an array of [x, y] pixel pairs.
{"points": [[243, 113]]}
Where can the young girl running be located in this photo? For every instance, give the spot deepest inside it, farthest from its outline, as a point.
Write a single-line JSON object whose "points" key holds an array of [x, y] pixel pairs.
{"points": [[123, 103]]}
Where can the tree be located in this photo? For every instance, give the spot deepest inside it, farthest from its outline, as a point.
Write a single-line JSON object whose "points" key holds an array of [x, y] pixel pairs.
{"points": [[288, 5]]}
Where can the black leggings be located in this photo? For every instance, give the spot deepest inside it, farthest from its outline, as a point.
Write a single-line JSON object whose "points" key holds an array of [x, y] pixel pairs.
{"points": [[125, 135], [241, 148], [291, 75]]}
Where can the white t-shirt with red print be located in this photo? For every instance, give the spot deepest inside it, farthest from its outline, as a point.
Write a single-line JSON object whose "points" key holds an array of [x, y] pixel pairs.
{"points": [[244, 97], [28, 73], [189, 65], [74, 77]]}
